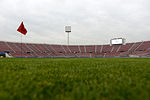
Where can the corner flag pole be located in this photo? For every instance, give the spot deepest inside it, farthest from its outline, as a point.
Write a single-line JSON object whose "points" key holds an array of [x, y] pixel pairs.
{"points": [[23, 31], [21, 45]]}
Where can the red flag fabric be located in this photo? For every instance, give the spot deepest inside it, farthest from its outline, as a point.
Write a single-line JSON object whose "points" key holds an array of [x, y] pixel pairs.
{"points": [[22, 29]]}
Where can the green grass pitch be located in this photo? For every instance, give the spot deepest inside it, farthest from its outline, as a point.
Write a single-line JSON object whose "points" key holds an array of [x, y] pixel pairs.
{"points": [[75, 78]]}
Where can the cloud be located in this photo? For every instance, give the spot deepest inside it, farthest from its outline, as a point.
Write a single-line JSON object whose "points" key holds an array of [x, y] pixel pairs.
{"points": [[92, 21]]}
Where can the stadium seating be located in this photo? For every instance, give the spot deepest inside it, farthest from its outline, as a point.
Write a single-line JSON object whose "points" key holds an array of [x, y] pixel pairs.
{"points": [[4, 47], [82, 48], [48, 50], [74, 49], [90, 49], [98, 49], [106, 49]]}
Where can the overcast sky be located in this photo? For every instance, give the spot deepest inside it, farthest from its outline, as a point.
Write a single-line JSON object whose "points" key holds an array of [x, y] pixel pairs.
{"points": [[92, 21]]}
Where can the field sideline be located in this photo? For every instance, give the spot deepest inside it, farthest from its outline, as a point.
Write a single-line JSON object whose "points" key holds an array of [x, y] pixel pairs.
{"points": [[75, 78]]}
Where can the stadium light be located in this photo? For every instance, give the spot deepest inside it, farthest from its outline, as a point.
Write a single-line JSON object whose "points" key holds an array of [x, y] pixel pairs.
{"points": [[68, 30]]}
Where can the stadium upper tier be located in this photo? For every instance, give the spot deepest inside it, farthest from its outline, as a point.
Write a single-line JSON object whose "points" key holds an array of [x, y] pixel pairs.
{"points": [[49, 50]]}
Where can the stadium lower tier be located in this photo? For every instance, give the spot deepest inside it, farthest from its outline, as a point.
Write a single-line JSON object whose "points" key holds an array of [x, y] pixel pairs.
{"points": [[48, 50]]}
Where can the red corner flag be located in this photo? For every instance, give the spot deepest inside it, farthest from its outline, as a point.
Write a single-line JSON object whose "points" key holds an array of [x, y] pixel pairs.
{"points": [[22, 29]]}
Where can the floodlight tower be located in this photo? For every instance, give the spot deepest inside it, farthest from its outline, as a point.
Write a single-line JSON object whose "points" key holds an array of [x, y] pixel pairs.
{"points": [[68, 30]]}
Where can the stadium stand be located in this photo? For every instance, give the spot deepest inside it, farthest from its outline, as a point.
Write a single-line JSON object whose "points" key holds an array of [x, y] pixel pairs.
{"points": [[74, 49], [90, 49], [47, 50]]}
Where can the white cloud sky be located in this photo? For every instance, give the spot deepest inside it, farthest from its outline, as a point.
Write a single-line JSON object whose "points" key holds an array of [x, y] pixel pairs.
{"points": [[92, 21]]}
